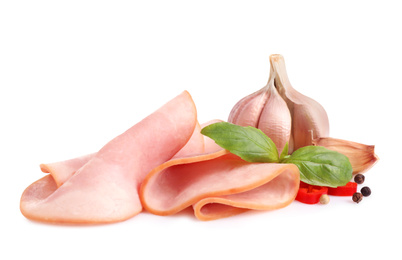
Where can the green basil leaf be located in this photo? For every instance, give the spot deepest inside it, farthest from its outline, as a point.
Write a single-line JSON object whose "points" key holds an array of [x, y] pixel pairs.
{"points": [[284, 152], [250, 143], [321, 166]]}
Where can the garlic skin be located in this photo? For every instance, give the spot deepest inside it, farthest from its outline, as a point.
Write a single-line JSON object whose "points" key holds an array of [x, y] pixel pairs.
{"points": [[362, 157], [309, 118], [266, 110]]}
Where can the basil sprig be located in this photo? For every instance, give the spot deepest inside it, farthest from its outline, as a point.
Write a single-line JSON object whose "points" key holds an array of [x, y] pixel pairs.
{"points": [[317, 165]]}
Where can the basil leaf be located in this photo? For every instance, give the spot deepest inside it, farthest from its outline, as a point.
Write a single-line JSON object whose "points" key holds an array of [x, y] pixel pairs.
{"points": [[250, 143], [321, 166], [284, 153]]}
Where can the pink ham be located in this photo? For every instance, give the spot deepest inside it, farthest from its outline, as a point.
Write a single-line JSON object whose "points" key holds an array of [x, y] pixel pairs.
{"points": [[183, 171], [105, 188], [275, 187], [62, 171], [218, 184]]}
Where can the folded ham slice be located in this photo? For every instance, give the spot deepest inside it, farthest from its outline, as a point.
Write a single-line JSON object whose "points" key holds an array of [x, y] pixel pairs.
{"points": [[64, 170], [218, 184], [105, 187], [274, 187]]}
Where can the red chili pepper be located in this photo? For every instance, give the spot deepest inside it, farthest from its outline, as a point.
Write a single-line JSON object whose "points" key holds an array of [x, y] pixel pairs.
{"points": [[348, 190], [310, 194]]}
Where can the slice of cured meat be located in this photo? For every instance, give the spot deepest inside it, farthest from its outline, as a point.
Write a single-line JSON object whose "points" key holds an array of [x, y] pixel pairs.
{"points": [[105, 188], [62, 171], [218, 185], [275, 188]]}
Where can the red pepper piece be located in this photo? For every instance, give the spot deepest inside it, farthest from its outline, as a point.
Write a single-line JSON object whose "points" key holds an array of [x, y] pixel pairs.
{"points": [[348, 190], [310, 194]]}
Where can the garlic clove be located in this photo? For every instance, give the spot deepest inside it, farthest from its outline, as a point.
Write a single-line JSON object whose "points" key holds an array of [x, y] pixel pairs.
{"points": [[247, 111], [275, 120], [309, 118], [361, 156]]}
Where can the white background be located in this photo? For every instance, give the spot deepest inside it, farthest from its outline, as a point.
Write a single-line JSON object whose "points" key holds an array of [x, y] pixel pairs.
{"points": [[74, 74]]}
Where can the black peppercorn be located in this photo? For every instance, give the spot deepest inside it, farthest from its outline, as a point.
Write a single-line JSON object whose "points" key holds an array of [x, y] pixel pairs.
{"points": [[365, 191], [357, 197], [359, 178]]}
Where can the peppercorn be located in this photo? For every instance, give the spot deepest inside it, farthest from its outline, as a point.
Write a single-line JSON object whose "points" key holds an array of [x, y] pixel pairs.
{"points": [[357, 197], [324, 199], [366, 191], [359, 178]]}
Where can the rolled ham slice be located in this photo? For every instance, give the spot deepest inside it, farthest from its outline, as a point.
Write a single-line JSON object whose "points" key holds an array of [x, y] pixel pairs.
{"points": [[273, 188], [105, 187], [217, 185]]}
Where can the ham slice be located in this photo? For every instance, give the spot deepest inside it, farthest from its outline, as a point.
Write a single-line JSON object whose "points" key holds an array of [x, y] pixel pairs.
{"points": [[62, 171], [104, 188], [274, 187], [218, 184]]}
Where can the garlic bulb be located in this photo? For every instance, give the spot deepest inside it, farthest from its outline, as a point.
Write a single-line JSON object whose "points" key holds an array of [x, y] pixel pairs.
{"points": [[286, 115], [267, 111], [281, 112], [309, 119]]}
